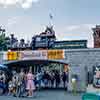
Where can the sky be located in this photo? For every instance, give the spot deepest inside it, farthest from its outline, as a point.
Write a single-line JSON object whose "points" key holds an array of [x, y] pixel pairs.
{"points": [[72, 19]]}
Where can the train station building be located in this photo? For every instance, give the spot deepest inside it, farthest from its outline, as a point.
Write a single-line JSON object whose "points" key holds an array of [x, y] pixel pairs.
{"points": [[73, 57]]}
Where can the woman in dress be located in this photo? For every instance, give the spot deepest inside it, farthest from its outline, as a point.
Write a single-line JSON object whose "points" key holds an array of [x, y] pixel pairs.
{"points": [[30, 83]]}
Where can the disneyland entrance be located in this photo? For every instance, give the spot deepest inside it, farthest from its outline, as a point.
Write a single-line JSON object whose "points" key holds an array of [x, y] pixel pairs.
{"points": [[48, 74]]}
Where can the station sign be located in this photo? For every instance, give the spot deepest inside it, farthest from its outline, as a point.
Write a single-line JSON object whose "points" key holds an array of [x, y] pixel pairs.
{"points": [[1, 57], [5, 57], [28, 55], [55, 54], [12, 55]]}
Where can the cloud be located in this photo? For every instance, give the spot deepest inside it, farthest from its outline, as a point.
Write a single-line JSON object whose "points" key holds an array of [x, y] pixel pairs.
{"points": [[8, 2], [12, 21], [76, 32], [78, 27], [71, 28], [27, 4], [23, 3]]}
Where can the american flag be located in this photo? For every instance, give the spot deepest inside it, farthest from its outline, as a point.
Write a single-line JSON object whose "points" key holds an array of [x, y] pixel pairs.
{"points": [[50, 15]]}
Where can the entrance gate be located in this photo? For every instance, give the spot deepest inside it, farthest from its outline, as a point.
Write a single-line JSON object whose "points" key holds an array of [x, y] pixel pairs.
{"points": [[53, 70]]}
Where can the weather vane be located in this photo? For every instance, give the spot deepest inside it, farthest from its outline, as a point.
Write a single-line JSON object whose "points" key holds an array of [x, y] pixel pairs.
{"points": [[51, 20]]}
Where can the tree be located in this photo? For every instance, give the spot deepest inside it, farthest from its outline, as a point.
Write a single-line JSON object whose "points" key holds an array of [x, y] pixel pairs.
{"points": [[3, 45]]}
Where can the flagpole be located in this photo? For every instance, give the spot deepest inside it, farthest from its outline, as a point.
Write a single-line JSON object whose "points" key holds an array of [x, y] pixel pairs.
{"points": [[51, 20]]}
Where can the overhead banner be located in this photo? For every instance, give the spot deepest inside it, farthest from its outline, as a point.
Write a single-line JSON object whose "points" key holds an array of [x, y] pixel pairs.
{"points": [[28, 55], [5, 56], [12, 55], [1, 57], [55, 54]]}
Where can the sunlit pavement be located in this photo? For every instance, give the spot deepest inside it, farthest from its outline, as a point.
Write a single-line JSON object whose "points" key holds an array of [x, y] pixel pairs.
{"points": [[47, 95], [92, 89]]}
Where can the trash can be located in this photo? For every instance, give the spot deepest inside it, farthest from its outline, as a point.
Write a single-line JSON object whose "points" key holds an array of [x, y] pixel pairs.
{"points": [[91, 96]]}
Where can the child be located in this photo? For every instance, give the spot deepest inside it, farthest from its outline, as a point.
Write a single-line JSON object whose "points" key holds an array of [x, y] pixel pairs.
{"points": [[10, 87], [15, 84]]}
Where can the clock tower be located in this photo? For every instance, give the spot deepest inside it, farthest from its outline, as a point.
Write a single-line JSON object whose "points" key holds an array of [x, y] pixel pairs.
{"points": [[96, 36]]}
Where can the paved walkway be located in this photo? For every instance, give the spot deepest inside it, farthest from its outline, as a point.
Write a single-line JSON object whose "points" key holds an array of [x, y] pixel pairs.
{"points": [[92, 89], [47, 95]]}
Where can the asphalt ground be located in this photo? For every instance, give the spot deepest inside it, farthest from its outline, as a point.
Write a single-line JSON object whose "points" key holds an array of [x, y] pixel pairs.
{"points": [[47, 95]]}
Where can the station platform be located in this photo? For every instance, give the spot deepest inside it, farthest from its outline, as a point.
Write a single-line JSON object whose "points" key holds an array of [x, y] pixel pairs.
{"points": [[92, 89]]}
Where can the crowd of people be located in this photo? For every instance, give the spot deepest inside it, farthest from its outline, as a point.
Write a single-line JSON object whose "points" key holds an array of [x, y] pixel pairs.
{"points": [[25, 83]]}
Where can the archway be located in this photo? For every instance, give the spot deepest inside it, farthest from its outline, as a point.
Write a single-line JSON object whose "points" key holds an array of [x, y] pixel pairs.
{"points": [[48, 66]]}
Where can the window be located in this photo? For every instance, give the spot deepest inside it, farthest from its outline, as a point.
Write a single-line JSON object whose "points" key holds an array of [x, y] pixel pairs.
{"points": [[38, 39]]}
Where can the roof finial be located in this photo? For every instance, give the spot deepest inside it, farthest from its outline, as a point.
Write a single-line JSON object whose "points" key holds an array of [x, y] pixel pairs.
{"points": [[51, 19]]}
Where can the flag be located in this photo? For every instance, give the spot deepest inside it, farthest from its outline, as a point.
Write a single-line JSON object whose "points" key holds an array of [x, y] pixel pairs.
{"points": [[50, 15]]}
